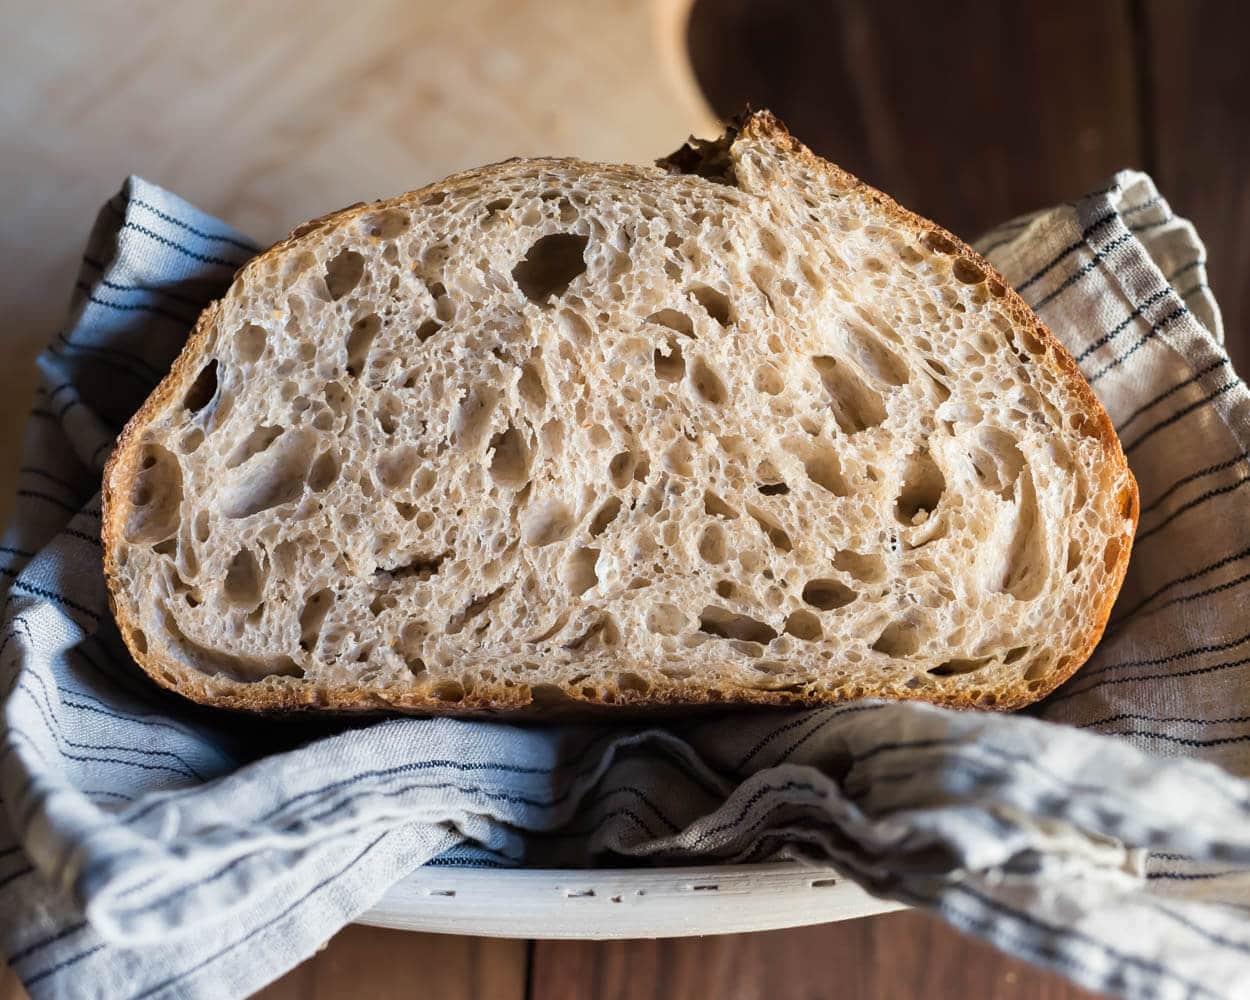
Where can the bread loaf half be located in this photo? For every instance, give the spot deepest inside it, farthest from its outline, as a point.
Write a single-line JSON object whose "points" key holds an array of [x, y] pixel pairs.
{"points": [[735, 428]]}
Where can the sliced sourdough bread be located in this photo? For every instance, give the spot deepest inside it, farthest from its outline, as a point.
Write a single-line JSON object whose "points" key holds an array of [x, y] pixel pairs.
{"points": [[549, 434]]}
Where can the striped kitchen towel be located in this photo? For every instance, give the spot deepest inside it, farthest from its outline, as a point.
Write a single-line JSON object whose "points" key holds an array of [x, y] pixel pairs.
{"points": [[149, 848]]}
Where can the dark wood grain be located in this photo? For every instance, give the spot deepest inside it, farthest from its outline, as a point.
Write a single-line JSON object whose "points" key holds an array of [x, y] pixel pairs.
{"points": [[399, 965], [890, 957], [966, 112], [1199, 91]]}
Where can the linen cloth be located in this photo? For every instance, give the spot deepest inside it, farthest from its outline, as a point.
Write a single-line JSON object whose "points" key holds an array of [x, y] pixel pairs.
{"points": [[149, 848]]}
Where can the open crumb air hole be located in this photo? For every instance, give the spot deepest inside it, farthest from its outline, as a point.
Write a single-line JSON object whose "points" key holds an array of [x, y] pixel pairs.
{"points": [[510, 461], [716, 304], [550, 266], [578, 574], [776, 534], [530, 385], [856, 405], [621, 469], [676, 321], [546, 522], [923, 486], [249, 343], [866, 567], [670, 365], [956, 667], [897, 639], [244, 580], [877, 359], [203, 389], [707, 383], [343, 273], [276, 476], [716, 506], [605, 515], [256, 442], [825, 470], [827, 595], [420, 566], [726, 624], [155, 497], [360, 340], [804, 625]]}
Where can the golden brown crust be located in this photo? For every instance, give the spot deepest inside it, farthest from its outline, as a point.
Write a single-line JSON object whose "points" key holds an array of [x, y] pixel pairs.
{"points": [[288, 695]]}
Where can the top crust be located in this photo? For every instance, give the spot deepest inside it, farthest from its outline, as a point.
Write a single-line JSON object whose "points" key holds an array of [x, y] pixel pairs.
{"points": [[779, 310]]}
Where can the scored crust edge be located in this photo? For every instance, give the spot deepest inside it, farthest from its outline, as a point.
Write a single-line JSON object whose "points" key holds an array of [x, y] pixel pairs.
{"points": [[287, 695]]}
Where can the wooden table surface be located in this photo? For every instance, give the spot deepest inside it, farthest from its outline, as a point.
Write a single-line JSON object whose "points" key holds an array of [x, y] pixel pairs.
{"points": [[267, 114]]}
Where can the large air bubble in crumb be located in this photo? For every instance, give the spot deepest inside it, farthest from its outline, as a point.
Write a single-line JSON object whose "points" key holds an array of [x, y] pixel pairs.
{"points": [[510, 459], [877, 359], [864, 566], [715, 303], [249, 343], [959, 666], [828, 594], [772, 528], [314, 612], [530, 385], [550, 266], [395, 468], [996, 460], [804, 625], [707, 383], [155, 496], [825, 470], [359, 342], [472, 418], [604, 516], [203, 389], [343, 273], [679, 322], [547, 521], [856, 405], [274, 477], [666, 619], [578, 574], [712, 546], [324, 471], [923, 486], [898, 639], [257, 441], [621, 468], [728, 624], [1026, 567], [669, 362], [244, 581]]}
